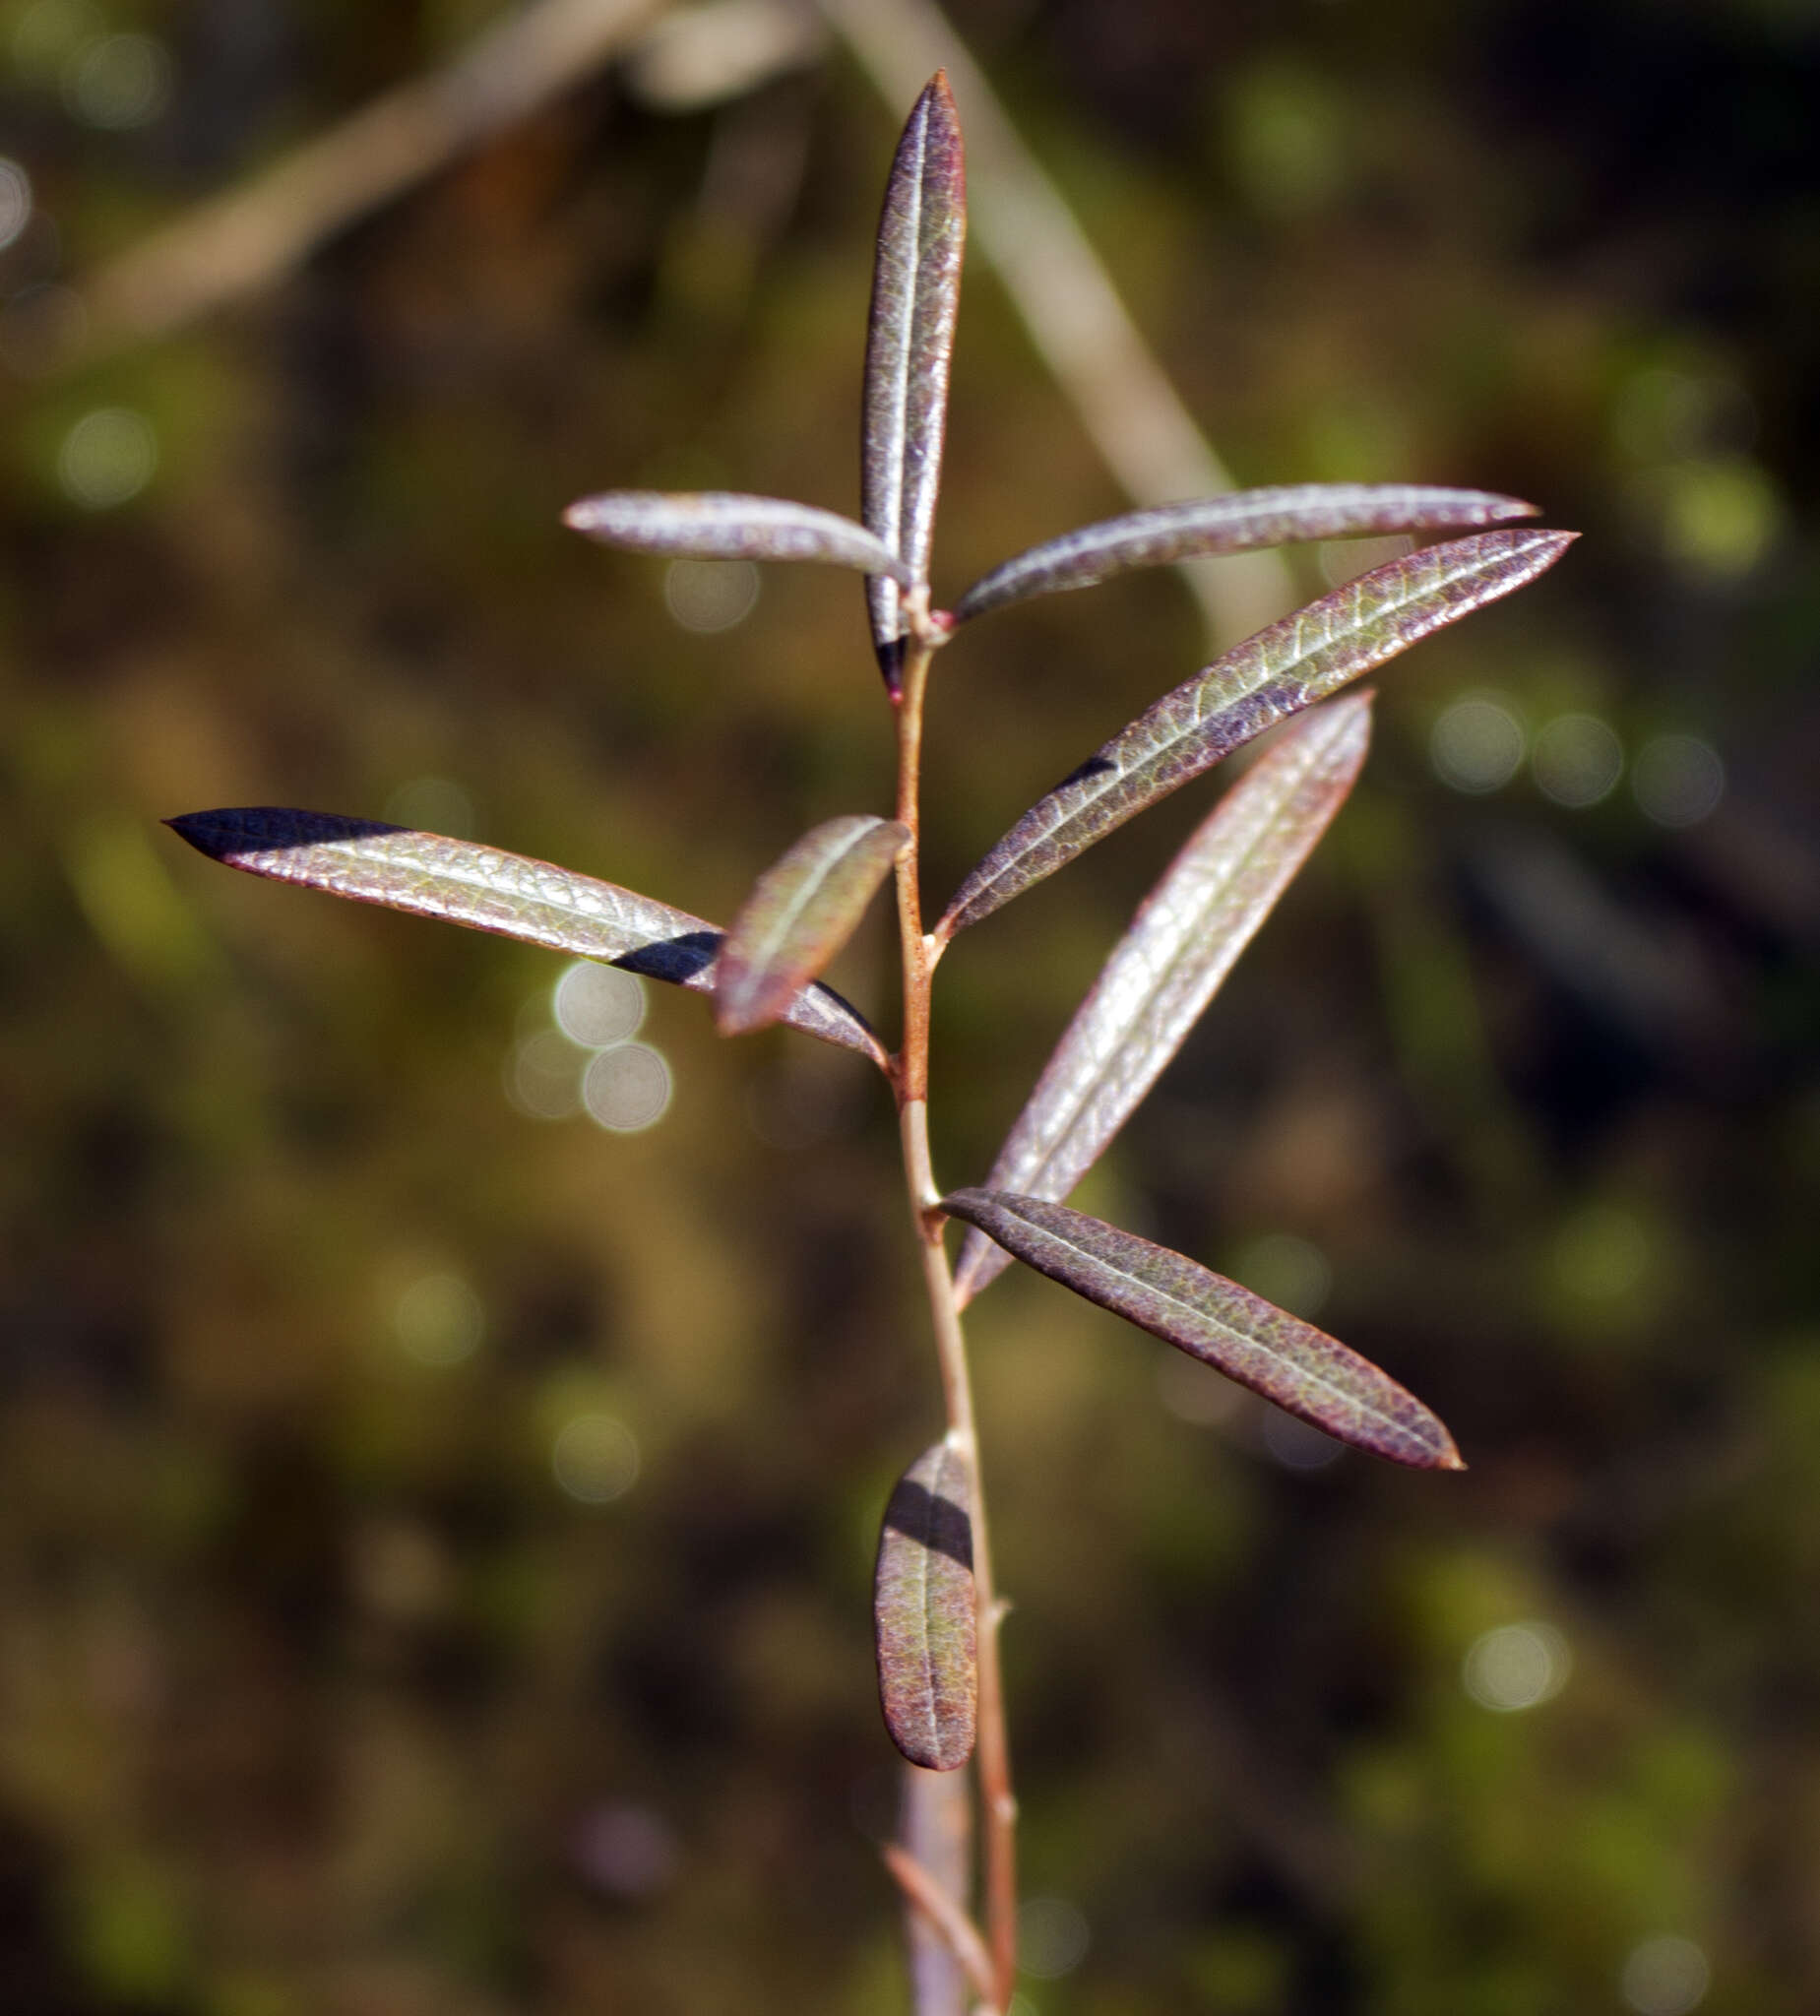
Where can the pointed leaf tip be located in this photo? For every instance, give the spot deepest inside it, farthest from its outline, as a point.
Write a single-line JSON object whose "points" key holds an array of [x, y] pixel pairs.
{"points": [[924, 1611], [1293, 663], [488, 889], [915, 295], [1302, 1369], [802, 910], [1172, 961]]}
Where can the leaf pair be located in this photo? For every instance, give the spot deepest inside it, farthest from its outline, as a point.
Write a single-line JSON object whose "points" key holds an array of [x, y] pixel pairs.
{"points": [[1278, 672], [1179, 947], [916, 295], [915, 298], [1154, 987], [539, 903]]}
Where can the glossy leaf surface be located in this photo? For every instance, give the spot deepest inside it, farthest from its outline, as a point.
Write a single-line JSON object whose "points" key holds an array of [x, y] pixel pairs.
{"points": [[723, 525], [1163, 973], [1280, 672], [1302, 1369], [800, 913], [915, 290], [489, 889], [923, 1611], [1234, 523]]}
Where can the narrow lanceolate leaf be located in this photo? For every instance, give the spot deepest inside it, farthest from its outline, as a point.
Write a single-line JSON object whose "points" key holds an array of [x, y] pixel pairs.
{"points": [[1301, 1368], [1168, 966], [1278, 672], [923, 1611], [721, 525], [1234, 523], [490, 890], [802, 910], [915, 288]]}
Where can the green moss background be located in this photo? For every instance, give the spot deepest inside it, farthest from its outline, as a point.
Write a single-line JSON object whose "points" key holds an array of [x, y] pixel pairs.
{"points": [[318, 1691]]}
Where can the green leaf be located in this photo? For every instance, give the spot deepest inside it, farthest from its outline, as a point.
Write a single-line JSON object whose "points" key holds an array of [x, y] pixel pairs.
{"points": [[490, 890], [1179, 947], [916, 291], [723, 524], [1302, 1369], [923, 1610], [1280, 672], [1234, 523], [802, 910]]}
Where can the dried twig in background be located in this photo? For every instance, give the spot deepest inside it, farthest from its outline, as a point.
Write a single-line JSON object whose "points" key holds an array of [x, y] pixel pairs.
{"points": [[247, 239]]}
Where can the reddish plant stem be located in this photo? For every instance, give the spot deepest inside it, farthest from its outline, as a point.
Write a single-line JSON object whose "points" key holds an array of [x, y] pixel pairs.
{"points": [[992, 1754]]}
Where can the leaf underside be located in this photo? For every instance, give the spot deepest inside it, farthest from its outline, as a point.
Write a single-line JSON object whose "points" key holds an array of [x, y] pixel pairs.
{"points": [[490, 890], [1300, 1369], [1167, 967], [725, 525], [802, 910], [1234, 523], [924, 1608], [916, 291], [1278, 672]]}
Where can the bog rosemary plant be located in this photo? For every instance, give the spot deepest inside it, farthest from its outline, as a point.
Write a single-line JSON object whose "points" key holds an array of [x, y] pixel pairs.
{"points": [[937, 1613]]}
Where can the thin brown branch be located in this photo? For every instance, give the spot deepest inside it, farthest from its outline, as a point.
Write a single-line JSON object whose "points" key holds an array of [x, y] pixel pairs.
{"points": [[1066, 299], [246, 238], [958, 1930], [993, 1752]]}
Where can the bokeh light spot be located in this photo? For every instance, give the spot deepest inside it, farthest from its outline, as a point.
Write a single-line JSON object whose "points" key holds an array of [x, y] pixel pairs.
{"points": [[710, 595], [1053, 1938], [1478, 743], [544, 1076], [1284, 134], [118, 83], [107, 458], [1291, 1272], [15, 201], [438, 1320], [433, 805], [626, 1851], [1719, 517], [1516, 1666], [1195, 1392], [594, 1459], [1662, 415], [1601, 1255], [597, 1005], [1578, 760], [1677, 779], [627, 1089], [1665, 1976], [1296, 1444]]}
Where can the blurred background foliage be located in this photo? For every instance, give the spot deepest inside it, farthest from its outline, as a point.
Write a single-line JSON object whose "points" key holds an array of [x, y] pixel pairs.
{"points": [[435, 1532]]}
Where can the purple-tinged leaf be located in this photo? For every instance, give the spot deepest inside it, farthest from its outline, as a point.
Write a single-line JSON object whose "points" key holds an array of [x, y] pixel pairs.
{"points": [[1235, 523], [915, 290], [723, 524], [1302, 1369], [802, 910], [923, 1610], [1179, 947], [489, 889], [1276, 673]]}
